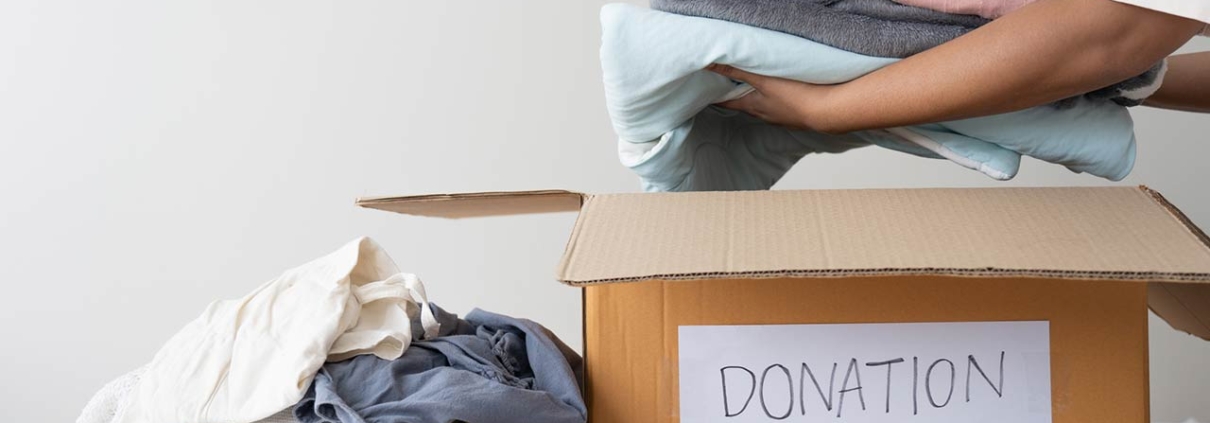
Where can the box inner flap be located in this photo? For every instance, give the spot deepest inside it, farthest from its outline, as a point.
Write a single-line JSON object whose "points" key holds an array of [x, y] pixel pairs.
{"points": [[478, 204], [1122, 233]]}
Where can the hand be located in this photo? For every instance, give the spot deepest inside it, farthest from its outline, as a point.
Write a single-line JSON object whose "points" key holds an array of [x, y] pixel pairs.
{"points": [[780, 101]]}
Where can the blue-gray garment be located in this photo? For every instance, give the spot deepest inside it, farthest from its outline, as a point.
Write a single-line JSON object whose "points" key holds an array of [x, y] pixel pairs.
{"points": [[880, 28], [487, 368]]}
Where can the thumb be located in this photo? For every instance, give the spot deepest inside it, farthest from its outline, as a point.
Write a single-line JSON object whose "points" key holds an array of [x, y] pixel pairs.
{"points": [[737, 74]]}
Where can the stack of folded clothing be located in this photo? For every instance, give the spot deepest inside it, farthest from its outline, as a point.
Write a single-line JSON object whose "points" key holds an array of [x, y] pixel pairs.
{"points": [[660, 97], [348, 338]]}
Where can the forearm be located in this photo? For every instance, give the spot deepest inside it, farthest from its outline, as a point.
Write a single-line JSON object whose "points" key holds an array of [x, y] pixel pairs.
{"points": [[1187, 84], [1042, 53]]}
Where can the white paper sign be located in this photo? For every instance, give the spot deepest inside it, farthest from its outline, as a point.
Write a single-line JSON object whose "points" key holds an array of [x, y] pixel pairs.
{"points": [[989, 372]]}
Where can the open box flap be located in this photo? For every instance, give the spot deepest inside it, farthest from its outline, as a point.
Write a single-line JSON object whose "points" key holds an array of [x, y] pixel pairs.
{"points": [[478, 204], [1118, 233]]}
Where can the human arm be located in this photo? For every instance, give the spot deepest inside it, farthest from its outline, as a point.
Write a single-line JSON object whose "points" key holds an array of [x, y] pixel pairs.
{"points": [[1187, 84], [1044, 52]]}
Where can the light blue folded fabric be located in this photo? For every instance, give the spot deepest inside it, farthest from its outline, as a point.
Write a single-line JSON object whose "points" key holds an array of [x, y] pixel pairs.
{"points": [[659, 99]]}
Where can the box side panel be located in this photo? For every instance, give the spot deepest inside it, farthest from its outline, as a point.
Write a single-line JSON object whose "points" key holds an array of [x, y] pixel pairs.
{"points": [[623, 351], [1147, 369], [1098, 332]]}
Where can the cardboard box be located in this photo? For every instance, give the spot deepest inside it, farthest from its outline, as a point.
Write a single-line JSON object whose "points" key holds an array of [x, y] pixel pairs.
{"points": [[1090, 261]]}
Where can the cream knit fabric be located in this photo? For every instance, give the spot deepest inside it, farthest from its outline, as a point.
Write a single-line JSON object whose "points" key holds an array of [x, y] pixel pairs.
{"points": [[245, 360]]}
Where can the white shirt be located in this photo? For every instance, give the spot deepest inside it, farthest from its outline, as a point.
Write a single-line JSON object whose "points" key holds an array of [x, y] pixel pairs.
{"points": [[247, 359], [1198, 10]]}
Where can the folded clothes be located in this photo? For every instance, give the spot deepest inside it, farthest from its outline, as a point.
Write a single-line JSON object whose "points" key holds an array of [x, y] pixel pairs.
{"points": [[658, 93], [881, 28], [244, 360], [990, 9], [487, 368]]}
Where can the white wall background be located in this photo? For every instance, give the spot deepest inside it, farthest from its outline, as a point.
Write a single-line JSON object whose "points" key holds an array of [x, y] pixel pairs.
{"points": [[156, 156]]}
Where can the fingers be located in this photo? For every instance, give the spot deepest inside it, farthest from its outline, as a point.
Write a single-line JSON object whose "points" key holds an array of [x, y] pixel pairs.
{"points": [[737, 74], [747, 104], [736, 104]]}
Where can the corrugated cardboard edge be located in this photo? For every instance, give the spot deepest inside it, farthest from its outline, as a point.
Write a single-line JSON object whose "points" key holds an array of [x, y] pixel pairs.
{"points": [[370, 201], [1177, 214], [570, 247], [1189, 317], [972, 273], [478, 204]]}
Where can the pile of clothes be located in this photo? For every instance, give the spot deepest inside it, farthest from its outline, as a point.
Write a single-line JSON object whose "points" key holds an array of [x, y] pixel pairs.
{"points": [[348, 338], [661, 99]]}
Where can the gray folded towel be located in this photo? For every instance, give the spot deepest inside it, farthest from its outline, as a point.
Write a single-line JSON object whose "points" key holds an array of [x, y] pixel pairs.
{"points": [[880, 28]]}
